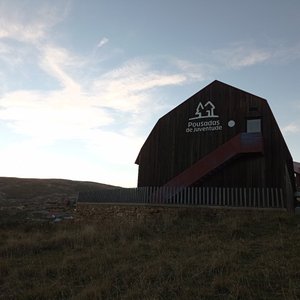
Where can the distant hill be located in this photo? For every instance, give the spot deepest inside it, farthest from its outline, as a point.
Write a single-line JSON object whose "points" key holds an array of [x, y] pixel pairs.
{"points": [[40, 199], [24, 188]]}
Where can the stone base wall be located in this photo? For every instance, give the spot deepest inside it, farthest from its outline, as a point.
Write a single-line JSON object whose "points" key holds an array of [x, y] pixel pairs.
{"points": [[132, 212]]}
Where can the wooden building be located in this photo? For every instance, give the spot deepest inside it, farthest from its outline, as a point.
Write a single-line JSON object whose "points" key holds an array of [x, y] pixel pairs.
{"points": [[297, 174], [220, 137]]}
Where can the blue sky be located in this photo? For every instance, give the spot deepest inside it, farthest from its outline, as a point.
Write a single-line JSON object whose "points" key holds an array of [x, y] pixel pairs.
{"points": [[82, 83]]}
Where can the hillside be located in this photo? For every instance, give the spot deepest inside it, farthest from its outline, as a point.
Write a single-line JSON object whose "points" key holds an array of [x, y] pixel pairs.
{"points": [[40, 199], [174, 253], [183, 254]]}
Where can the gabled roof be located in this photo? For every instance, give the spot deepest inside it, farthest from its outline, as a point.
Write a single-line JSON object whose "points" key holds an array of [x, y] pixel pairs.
{"points": [[215, 82]]}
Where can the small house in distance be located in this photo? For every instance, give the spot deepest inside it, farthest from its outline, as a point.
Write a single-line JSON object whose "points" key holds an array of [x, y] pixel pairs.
{"points": [[220, 137]]}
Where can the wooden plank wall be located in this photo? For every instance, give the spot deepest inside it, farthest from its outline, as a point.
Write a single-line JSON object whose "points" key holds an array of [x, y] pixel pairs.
{"points": [[169, 150]]}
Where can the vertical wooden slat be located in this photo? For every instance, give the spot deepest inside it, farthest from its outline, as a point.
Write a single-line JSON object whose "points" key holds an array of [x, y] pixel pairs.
{"points": [[276, 197], [215, 191], [258, 198], [263, 197], [250, 197], [245, 197], [281, 198], [167, 195], [184, 196], [177, 197], [235, 203], [144, 195], [227, 197], [180, 196], [200, 196]]}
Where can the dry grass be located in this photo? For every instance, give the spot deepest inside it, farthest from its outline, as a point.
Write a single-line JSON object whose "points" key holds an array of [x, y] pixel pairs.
{"points": [[196, 254]]}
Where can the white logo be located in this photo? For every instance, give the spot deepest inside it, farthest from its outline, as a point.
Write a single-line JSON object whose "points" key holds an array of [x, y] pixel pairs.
{"points": [[205, 111]]}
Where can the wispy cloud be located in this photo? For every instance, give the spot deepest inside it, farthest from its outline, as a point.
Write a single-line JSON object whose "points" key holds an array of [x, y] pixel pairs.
{"points": [[81, 108], [102, 42], [286, 54], [51, 115], [239, 55], [291, 128], [99, 110], [246, 54], [128, 87], [20, 22], [194, 71], [55, 60]]}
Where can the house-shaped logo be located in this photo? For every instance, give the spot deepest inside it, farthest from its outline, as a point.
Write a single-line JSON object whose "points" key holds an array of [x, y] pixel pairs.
{"points": [[205, 111]]}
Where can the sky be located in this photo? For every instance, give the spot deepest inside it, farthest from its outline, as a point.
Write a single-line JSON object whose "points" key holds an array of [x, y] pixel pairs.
{"points": [[82, 83]]}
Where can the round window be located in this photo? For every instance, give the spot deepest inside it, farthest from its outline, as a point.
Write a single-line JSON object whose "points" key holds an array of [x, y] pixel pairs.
{"points": [[231, 123]]}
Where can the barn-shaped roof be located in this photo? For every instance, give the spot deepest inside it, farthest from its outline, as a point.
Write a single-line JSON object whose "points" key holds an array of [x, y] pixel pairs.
{"points": [[216, 84]]}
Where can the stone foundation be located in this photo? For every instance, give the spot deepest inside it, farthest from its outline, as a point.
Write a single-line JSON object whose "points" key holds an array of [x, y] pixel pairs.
{"points": [[127, 211]]}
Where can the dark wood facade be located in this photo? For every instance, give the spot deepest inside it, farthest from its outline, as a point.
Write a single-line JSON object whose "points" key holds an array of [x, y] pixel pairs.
{"points": [[207, 121], [297, 174]]}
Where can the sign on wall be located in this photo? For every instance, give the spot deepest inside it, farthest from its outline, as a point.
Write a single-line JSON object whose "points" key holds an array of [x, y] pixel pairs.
{"points": [[205, 119]]}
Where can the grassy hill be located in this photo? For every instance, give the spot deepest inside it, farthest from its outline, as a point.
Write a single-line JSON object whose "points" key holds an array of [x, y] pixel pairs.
{"points": [[194, 253], [24, 188], [37, 199]]}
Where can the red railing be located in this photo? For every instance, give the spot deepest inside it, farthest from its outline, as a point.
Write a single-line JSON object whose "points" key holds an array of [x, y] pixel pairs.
{"points": [[239, 144]]}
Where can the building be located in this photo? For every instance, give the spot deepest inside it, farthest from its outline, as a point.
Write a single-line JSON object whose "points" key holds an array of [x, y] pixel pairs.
{"points": [[297, 174], [220, 137]]}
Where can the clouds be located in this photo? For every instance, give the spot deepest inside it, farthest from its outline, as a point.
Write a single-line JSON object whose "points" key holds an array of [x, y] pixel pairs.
{"points": [[291, 128], [69, 86], [55, 60], [102, 42], [51, 116], [85, 108], [129, 87], [20, 22], [240, 55]]}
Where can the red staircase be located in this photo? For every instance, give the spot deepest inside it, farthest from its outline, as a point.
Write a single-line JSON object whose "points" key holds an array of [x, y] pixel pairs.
{"points": [[240, 144]]}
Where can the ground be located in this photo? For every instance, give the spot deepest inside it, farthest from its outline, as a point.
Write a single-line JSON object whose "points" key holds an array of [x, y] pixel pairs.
{"points": [[192, 253]]}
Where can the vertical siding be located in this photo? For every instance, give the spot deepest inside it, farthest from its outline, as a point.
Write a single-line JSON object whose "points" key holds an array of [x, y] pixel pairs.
{"points": [[169, 149], [190, 196]]}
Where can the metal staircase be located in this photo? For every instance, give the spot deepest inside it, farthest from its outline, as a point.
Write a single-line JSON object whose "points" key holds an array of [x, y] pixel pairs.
{"points": [[242, 143]]}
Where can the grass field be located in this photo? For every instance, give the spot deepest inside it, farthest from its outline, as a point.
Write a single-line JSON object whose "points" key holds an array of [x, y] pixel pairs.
{"points": [[192, 254]]}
